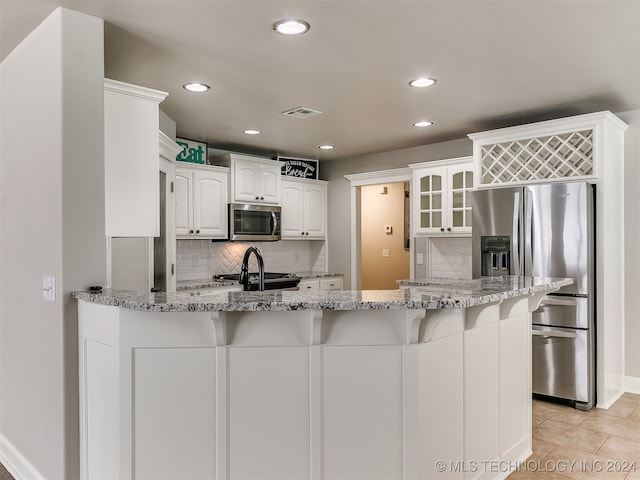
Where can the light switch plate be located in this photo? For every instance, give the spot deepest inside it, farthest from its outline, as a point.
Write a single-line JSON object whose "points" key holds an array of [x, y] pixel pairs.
{"points": [[420, 258], [385, 252], [388, 229], [49, 288]]}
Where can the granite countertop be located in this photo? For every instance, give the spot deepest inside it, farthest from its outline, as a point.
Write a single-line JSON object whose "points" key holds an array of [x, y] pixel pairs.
{"points": [[424, 294], [215, 282]]}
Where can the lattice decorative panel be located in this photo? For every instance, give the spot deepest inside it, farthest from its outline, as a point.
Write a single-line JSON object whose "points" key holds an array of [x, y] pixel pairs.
{"points": [[563, 155]]}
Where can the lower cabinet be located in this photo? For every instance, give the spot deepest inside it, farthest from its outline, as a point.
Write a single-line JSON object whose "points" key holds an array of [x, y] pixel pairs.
{"points": [[328, 283]]}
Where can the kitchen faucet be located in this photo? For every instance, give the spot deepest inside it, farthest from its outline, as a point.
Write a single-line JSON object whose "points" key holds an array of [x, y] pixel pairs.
{"points": [[244, 269]]}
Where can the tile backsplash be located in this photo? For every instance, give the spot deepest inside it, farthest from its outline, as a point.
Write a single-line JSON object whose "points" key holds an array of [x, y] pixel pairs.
{"points": [[201, 259], [450, 257]]}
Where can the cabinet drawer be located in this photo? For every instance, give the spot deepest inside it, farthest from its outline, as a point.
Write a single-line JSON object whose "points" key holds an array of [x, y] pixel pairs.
{"points": [[334, 283], [309, 285]]}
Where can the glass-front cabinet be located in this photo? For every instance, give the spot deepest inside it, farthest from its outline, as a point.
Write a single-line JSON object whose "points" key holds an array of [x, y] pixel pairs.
{"points": [[431, 202], [442, 197]]}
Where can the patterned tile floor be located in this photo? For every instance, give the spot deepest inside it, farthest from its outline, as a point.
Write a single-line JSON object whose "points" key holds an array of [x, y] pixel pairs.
{"points": [[571, 444]]}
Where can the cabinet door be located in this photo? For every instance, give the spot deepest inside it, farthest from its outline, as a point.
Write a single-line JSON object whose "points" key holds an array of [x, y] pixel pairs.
{"points": [[315, 204], [269, 183], [460, 198], [184, 199], [245, 181], [430, 200], [131, 154], [210, 204], [292, 209]]}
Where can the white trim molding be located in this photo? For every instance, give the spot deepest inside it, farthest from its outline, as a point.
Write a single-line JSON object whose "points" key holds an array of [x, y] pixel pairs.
{"points": [[15, 463], [357, 180], [632, 384]]}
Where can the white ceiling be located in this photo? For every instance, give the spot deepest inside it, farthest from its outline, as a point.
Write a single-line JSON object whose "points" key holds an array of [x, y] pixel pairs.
{"points": [[498, 63]]}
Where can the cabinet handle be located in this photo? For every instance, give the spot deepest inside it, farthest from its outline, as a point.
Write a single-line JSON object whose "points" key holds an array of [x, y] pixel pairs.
{"points": [[190, 231], [448, 229], [261, 198], [442, 229], [197, 231], [257, 198]]}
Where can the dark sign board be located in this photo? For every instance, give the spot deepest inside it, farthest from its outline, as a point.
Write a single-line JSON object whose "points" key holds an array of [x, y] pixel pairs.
{"points": [[299, 168]]}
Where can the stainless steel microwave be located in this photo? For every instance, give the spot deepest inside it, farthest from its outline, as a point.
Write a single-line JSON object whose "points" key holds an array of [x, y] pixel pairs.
{"points": [[254, 222]]}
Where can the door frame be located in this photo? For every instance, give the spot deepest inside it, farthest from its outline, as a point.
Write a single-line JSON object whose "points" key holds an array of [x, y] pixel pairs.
{"points": [[357, 180]]}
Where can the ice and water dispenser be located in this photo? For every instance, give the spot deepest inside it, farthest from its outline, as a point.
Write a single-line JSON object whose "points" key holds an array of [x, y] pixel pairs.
{"points": [[496, 255]]}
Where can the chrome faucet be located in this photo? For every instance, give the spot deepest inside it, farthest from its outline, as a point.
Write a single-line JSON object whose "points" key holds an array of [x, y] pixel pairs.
{"points": [[244, 269]]}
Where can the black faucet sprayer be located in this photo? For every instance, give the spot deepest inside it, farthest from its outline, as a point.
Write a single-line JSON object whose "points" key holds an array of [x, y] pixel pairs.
{"points": [[244, 269]]}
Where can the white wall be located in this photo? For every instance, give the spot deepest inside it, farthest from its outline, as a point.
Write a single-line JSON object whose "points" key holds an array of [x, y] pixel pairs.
{"points": [[52, 217], [632, 246]]}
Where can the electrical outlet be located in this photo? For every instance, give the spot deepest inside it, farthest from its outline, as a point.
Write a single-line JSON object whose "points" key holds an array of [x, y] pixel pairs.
{"points": [[420, 258], [385, 252], [49, 288]]}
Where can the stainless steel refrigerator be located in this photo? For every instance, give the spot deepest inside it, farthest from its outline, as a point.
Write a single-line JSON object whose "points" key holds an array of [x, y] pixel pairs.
{"points": [[547, 230]]}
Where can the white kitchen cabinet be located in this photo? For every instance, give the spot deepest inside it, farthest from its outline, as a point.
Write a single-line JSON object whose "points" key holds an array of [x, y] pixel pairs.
{"points": [[131, 153], [442, 198], [325, 283], [304, 209], [201, 202], [253, 179]]}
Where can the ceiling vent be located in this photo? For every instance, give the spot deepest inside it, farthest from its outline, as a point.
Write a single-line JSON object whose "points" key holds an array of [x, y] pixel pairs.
{"points": [[301, 112]]}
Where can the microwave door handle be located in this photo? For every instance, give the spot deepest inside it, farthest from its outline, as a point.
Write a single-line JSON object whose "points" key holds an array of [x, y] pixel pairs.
{"points": [[274, 219]]}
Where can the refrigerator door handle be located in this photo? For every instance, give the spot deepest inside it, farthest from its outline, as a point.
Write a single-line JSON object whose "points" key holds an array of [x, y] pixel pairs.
{"points": [[515, 245], [528, 235], [553, 333]]}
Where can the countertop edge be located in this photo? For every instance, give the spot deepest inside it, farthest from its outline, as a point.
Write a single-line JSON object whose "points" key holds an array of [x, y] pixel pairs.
{"points": [[414, 297]]}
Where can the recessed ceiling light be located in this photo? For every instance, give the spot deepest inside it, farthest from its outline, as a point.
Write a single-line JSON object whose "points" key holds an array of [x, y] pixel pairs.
{"points": [[252, 132], [326, 147], [422, 82], [423, 123], [291, 27], [196, 87]]}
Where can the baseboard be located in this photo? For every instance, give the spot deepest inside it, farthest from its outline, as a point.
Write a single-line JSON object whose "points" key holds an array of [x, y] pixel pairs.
{"points": [[632, 384], [17, 465]]}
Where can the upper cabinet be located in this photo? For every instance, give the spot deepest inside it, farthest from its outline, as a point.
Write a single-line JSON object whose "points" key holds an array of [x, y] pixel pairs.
{"points": [[567, 149], [304, 209], [442, 198], [253, 179], [131, 118], [201, 201]]}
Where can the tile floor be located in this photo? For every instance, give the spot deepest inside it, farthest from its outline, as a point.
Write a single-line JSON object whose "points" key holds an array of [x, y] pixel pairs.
{"points": [[571, 444], [4, 475]]}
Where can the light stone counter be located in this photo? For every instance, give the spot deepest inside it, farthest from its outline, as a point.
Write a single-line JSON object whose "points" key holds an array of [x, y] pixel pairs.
{"points": [[415, 294]]}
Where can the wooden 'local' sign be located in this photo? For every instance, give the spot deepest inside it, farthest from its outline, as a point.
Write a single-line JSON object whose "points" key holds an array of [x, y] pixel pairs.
{"points": [[300, 168]]}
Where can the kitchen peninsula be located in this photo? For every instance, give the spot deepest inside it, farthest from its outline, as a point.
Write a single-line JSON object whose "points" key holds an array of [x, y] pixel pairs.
{"points": [[427, 381]]}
